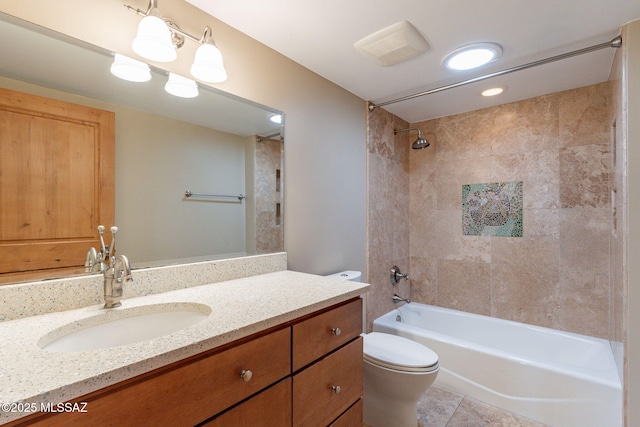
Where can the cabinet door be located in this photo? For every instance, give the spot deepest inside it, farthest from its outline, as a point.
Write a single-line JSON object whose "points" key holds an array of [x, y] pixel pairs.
{"points": [[329, 387], [271, 408], [57, 183]]}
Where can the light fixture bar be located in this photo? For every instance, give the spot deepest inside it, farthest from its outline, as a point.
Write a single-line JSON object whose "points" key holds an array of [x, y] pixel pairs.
{"points": [[159, 38], [616, 42], [173, 27]]}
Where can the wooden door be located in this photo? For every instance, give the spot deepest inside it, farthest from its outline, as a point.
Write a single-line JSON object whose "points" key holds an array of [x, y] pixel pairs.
{"points": [[57, 165]]}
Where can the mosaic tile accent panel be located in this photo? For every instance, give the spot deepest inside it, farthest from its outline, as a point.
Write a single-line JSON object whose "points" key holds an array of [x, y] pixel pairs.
{"points": [[493, 209]]}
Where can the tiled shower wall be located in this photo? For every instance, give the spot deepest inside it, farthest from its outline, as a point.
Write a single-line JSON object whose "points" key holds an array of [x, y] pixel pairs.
{"points": [[388, 219], [557, 274], [269, 190]]}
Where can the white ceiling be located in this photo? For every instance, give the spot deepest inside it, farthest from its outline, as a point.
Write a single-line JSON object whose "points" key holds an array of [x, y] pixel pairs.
{"points": [[320, 36]]}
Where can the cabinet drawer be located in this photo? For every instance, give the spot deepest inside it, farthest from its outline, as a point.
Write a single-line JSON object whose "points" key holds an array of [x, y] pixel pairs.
{"points": [[190, 393], [353, 417], [271, 408], [321, 334], [315, 402]]}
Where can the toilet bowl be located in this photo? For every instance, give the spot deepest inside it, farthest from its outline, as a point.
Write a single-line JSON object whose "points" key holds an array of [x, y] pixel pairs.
{"points": [[397, 371]]}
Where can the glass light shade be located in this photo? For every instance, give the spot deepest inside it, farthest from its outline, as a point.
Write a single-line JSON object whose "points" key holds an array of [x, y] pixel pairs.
{"points": [[207, 65], [472, 56], [153, 40], [130, 69], [181, 86]]}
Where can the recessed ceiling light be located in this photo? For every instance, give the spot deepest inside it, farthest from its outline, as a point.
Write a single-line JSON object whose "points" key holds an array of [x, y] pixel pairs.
{"points": [[472, 56], [493, 91], [276, 118]]}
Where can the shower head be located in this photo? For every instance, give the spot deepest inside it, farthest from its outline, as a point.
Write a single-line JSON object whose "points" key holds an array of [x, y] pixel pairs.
{"points": [[419, 143]]}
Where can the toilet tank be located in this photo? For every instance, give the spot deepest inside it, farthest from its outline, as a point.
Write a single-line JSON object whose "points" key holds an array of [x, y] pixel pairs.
{"points": [[351, 275], [354, 276]]}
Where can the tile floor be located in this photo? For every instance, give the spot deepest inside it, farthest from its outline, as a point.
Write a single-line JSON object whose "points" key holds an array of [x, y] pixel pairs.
{"points": [[440, 407]]}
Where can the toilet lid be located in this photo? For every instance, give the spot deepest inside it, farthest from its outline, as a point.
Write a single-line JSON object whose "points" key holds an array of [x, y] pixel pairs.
{"points": [[394, 352]]}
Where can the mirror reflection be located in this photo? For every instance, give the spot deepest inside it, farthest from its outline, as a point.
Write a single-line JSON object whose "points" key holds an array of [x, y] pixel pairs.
{"points": [[225, 150]]}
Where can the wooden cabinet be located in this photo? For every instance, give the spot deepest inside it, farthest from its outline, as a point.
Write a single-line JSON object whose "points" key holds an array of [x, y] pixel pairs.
{"points": [[325, 332], [352, 417], [247, 383], [259, 410], [329, 387]]}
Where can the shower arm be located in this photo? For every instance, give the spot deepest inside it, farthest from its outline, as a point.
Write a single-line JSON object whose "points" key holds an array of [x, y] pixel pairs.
{"points": [[616, 43], [395, 131]]}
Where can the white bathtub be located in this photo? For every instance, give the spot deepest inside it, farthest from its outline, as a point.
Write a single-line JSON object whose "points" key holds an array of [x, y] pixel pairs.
{"points": [[558, 378]]}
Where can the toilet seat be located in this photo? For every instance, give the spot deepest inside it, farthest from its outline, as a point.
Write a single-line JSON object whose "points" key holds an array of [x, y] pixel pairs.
{"points": [[398, 353]]}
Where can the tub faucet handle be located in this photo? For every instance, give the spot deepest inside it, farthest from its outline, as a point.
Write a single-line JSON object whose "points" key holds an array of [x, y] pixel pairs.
{"points": [[396, 275]]}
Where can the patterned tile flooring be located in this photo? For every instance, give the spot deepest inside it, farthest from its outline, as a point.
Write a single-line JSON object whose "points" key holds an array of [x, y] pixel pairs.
{"points": [[440, 407]]}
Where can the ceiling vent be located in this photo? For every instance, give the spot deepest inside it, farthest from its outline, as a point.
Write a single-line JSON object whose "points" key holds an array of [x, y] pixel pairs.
{"points": [[392, 45]]}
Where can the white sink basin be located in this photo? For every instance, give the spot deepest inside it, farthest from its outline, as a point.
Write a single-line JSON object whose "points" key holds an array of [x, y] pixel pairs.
{"points": [[118, 327]]}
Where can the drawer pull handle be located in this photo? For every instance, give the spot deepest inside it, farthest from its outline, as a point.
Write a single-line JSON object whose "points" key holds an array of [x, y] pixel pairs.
{"points": [[336, 389], [246, 375], [336, 331]]}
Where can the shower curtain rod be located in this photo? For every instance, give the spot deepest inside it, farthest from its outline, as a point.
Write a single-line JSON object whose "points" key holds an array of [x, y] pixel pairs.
{"points": [[616, 42], [262, 138]]}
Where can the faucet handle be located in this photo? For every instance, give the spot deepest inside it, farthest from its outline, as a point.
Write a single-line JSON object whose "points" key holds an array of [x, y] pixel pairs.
{"points": [[396, 275], [103, 248], [112, 247]]}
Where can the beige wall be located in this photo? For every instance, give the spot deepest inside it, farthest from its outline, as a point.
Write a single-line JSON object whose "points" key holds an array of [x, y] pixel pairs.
{"points": [[325, 125], [631, 103]]}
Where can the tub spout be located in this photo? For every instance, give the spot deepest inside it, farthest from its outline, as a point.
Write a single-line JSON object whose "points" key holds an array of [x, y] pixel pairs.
{"points": [[397, 298]]}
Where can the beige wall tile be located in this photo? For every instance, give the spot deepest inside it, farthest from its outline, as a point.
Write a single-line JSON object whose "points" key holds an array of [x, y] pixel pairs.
{"points": [[423, 280], [558, 146], [465, 286], [584, 302], [526, 293], [584, 115], [584, 176], [453, 245]]}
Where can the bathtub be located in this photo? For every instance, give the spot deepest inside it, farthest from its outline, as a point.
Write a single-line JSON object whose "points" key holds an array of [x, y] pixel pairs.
{"points": [[554, 377]]}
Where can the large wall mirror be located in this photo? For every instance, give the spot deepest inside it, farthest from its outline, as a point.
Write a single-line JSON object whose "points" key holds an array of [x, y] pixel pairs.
{"points": [[226, 150]]}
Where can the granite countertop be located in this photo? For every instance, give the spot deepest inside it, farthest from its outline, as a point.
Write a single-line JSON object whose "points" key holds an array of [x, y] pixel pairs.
{"points": [[239, 307]]}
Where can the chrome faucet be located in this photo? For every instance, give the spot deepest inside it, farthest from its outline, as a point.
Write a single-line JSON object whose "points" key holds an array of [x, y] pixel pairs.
{"points": [[396, 275], [96, 261], [397, 298], [115, 274], [114, 277]]}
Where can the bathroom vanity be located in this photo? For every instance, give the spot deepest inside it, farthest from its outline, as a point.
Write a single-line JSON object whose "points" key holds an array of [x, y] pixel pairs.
{"points": [[288, 353]]}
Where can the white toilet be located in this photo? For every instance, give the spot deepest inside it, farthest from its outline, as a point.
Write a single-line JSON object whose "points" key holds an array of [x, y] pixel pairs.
{"points": [[397, 371]]}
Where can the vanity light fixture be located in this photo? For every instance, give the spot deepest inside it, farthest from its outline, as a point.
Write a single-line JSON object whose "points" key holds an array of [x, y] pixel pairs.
{"points": [[153, 40], [493, 91], [472, 56], [158, 38], [181, 86], [130, 69]]}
